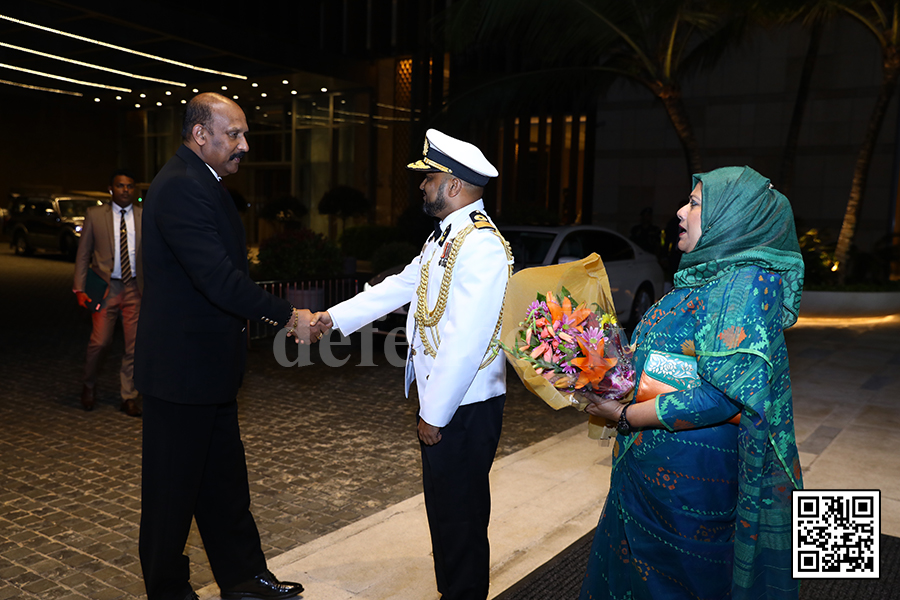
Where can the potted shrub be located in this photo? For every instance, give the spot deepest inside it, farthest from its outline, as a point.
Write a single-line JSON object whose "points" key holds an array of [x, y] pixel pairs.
{"points": [[303, 256], [343, 202], [297, 254], [361, 242], [868, 291], [280, 214]]}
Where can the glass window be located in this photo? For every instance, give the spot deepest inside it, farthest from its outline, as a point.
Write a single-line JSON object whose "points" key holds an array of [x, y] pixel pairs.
{"points": [[572, 247], [608, 245], [529, 248], [40, 208], [75, 207]]}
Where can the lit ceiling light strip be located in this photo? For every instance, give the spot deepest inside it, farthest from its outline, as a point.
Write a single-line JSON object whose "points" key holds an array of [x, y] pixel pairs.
{"points": [[91, 65], [61, 78], [392, 107], [39, 88], [364, 115], [120, 48]]}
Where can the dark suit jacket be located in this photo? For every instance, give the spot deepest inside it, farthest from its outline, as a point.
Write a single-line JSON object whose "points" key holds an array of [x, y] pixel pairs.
{"points": [[97, 248], [190, 346]]}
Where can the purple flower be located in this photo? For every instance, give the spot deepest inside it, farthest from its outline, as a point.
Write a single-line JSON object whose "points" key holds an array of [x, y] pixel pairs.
{"points": [[535, 307], [618, 382], [592, 336]]}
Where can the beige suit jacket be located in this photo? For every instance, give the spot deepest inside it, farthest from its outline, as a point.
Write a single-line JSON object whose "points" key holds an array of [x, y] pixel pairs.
{"points": [[97, 248]]}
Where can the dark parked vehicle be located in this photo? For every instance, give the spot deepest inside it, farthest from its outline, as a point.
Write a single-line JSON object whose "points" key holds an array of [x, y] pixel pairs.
{"points": [[49, 222]]}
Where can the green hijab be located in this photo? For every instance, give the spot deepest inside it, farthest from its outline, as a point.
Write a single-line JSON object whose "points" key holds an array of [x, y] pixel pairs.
{"points": [[744, 221]]}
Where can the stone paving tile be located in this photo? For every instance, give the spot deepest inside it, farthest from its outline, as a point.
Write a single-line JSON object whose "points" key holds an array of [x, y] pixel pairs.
{"points": [[325, 447]]}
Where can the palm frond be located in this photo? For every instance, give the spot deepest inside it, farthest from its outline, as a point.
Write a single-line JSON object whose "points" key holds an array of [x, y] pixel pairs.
{"points": [[547, 33], [709, 50]]}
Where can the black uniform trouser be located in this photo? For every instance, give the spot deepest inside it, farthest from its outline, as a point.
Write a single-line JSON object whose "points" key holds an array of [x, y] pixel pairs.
{"points": [[458, 498], [193, 465]]}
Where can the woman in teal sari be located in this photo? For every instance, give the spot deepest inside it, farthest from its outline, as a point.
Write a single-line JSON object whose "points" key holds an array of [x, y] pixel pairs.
{"points": [[699, 504]]}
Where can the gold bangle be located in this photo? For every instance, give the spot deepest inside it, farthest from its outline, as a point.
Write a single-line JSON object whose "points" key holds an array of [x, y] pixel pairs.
{"points": [[293, 321]]}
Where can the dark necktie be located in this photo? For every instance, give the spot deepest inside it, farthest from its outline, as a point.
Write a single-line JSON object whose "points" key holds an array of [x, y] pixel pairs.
{"points": [[437, 229], [123, 250]]}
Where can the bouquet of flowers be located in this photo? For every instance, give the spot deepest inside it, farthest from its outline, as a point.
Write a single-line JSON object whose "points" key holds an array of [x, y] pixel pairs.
{"points": [[563, 346], [575, 348]]}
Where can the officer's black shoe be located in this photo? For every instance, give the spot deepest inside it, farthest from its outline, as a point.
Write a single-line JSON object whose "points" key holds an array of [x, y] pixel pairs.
{"points": [[264, 586]]}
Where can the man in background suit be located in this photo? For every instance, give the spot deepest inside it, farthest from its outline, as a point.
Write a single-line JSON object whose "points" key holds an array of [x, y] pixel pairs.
{"points": [[111, 246], [189, 362]]}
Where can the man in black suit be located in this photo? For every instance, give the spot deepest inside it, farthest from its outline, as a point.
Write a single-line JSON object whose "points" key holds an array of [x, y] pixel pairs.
{"points": [[189, 362]]}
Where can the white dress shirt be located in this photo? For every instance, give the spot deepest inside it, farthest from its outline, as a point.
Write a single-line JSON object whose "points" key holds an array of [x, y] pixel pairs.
{"points": [[213, 171], [129, 222], [466, 330]]}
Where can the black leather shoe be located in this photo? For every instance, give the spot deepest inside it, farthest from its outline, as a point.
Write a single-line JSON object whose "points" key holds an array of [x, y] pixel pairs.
{"points": [[130, 407], [88, 397], [264, 586]]}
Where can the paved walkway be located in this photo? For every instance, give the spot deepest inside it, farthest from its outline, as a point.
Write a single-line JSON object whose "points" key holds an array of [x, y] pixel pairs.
{"points": [[847, 407], [334, 461], [325, 447]]}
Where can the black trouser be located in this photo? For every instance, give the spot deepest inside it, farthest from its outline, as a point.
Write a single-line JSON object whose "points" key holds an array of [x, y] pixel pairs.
{"points": [[194, 466], [458, 498]]}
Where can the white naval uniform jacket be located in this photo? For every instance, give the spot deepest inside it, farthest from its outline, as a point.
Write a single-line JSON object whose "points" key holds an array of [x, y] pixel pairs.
{"points": [[475, 300]]}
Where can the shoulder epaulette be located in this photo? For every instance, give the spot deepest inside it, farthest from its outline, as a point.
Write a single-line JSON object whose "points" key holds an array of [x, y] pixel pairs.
{"points": [[480, 220]]}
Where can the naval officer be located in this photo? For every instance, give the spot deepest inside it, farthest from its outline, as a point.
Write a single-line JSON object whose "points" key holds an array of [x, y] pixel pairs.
{"points": [[455, 288]]}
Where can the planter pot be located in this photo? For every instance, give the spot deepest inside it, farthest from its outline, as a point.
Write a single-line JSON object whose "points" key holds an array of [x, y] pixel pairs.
{"points": [[849, 304], [312, 299]]}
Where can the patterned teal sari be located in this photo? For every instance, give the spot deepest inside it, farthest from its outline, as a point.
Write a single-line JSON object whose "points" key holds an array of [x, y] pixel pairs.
{"points": [[701, 508]]}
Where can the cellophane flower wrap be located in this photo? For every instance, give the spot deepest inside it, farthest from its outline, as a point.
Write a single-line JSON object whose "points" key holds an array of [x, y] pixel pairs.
{"points": [[560, 335]]}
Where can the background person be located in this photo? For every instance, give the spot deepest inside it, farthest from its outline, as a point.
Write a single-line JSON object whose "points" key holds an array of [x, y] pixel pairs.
{"points": [[646, 234], [697, 506], [190, 357], [456, 288], [671, 255], [110, 245]]}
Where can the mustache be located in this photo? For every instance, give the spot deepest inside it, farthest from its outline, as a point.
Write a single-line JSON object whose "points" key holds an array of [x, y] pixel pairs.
{"points": [[238, 155]]}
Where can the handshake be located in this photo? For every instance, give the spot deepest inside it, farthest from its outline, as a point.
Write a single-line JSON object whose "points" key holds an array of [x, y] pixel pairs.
{"points": [[305, 326]]}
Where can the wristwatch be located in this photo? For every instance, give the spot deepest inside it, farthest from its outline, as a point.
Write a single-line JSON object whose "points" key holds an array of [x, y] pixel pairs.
{"points": [[622, 426]]}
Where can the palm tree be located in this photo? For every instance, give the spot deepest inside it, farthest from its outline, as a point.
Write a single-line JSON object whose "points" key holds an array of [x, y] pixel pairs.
{"points": [[882, 19], [789, 157], [812, 16], [655, 43]]}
